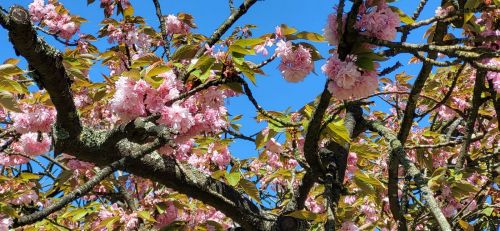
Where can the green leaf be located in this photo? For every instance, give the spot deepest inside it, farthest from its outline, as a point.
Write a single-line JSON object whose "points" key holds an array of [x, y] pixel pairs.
{"points": [[133, 73], [11, 61], [236, 87], [12, 86], [338, 132], [146, 216], [249, 42], [77, 214], [365, 63], [311, 36], [232, 178], [285, 30], [145, 60], [109, 222], [10, 70], [247, 71], [8, 102], [239, 49], [204, 63], [29, 176], [155, 70], [185, 52], [303, 215], [262, 139], [250, 189], [129, 11], [404, 18], [360, 176], [364, 150]]}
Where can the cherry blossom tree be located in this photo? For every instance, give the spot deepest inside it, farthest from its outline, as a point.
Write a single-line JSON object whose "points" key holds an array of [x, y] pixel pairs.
{"points": [[147, 147]]}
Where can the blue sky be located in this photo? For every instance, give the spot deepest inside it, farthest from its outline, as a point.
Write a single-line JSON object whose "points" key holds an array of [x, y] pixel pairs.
{"points": [[272, 92]]}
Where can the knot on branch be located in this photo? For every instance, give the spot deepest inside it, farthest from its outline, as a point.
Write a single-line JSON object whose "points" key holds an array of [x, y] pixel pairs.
{"points": [[19, 15]]}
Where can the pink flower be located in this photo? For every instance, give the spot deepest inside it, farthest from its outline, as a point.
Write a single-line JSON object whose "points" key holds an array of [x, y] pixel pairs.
{"points": [[175, 26], [347, 81], [169, 216], [128, 101], [35, 118], [446, 113], [37, 10], [5, 223], [274, 146], [379, 22], [349, 226], [262, 48], [314, 206], [493, 76], [29, 144], [330, 30], [278, 32], [440, 11], [177, 117], [220, 157], [350, 199], [58, 23], [295, 64]]}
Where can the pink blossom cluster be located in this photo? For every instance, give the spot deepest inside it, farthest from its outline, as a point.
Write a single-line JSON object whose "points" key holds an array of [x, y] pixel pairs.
{"points": [[347, 81], [202, 113], [489, 23], [262, 47], [314, 206], [349, 226], [493, 76], [129, 34], [176, 26], [296, 63], [331, 29], [34, 118], [378, 21], [128, 221], [169, 216], [57, 22], [32, 144]]}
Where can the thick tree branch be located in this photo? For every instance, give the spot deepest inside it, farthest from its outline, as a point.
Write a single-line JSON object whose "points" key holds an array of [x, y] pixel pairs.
{"points": [[47, 61], [406, 124], [411, 171]]}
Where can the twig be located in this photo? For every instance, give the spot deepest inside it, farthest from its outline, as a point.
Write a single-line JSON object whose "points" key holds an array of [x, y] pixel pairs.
{"points": [[249, 94], [448, 94], [452, 143], [471, 119], [163, 28], [68, 198], [55, 162], [235, 15]]}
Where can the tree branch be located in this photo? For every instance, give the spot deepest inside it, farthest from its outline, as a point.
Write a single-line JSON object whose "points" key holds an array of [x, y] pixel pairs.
{"points": [[411, 171], [68, 198], [47, 61], [471, 119], [235, 15], [163, 28]]}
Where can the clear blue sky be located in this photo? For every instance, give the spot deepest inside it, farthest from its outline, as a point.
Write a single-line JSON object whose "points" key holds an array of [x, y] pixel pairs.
{"points": [[271, 91]]}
